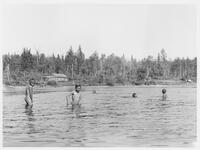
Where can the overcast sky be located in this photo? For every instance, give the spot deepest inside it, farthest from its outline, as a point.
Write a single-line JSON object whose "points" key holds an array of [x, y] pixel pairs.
{"points": [[138, 30]]}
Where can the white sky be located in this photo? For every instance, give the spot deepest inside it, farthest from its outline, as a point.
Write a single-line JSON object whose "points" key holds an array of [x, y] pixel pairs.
{"points": [[138, 30]]}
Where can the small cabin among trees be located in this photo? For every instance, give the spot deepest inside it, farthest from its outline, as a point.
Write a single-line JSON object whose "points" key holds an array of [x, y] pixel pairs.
{"points": [[56, 77]]}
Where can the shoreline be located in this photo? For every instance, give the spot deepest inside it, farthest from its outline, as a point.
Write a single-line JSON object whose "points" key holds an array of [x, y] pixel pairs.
{"points": [[12, 90]]}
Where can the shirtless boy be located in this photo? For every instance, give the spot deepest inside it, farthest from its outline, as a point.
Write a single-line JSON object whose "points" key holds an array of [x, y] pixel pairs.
{"points": [[29, 93]]}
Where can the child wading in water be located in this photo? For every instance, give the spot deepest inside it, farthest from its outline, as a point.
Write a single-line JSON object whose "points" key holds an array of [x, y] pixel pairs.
{"points": [[29, 93], [75, 99], [76, 96]]}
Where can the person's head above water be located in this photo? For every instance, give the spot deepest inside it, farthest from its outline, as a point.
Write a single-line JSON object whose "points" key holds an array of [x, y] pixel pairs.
{"points": [[164, 91], [134, 95], [77, 87], [32, 81]]}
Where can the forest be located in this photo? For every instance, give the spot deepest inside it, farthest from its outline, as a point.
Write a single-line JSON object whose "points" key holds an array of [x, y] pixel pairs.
{"points": [[98, 69]]}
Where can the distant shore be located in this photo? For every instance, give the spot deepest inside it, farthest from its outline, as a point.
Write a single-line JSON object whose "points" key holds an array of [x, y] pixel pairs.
{"points": [[44, 89]]}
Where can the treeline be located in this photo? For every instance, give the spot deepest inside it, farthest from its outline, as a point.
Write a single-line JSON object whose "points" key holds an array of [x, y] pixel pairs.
{"points": [[96, 69]]}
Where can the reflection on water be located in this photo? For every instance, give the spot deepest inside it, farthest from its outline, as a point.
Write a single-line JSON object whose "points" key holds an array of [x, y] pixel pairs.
{"points": [[30, 117], [110, 117], [28, 110], [76, 109]]}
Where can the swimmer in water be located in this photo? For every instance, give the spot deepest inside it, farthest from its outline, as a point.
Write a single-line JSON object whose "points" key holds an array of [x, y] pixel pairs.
{"points": [[29, 93], [164, 91], [134, 95]]}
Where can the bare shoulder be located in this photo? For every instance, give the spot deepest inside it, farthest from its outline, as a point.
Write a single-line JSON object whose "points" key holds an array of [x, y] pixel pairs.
{"points": [[73, 92]]}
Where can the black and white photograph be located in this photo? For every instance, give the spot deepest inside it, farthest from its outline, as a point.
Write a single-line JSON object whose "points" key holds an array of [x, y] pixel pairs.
{"points": [[99, 75]]}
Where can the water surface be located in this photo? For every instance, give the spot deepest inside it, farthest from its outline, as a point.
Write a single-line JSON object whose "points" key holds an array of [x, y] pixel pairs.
{"points": [[111, 117]]}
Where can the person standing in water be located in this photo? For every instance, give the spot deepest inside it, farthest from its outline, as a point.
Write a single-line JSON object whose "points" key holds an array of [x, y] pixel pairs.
{"points": [[29, 93], [76, 96], [75, 100], [164, 91]]}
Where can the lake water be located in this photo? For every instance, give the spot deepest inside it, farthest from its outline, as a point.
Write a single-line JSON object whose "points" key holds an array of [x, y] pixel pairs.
{"points": [[111, 117]]}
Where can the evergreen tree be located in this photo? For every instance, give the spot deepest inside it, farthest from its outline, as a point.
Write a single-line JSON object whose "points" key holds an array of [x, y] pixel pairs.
{"points": [[69, 62], [26, 60], [80, 60]]}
